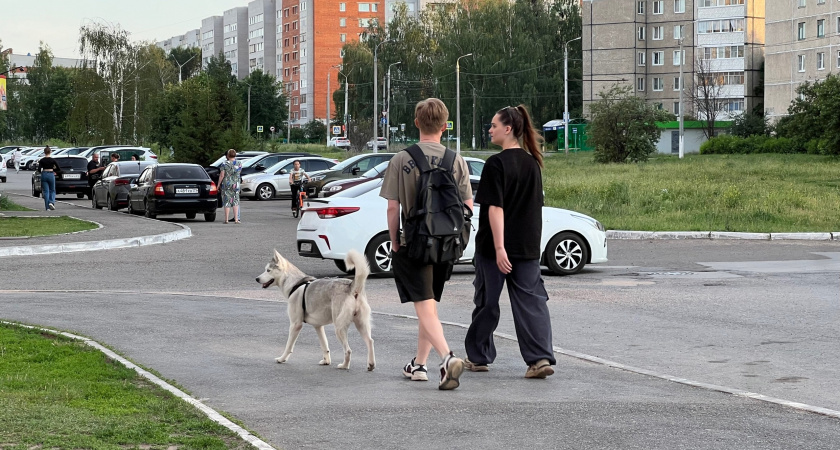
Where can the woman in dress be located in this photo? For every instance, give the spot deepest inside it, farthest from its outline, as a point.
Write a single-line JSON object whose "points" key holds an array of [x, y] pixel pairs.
{"points": [[229, 185]]}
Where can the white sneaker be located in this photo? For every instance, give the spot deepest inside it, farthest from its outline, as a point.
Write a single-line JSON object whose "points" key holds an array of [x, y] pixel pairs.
{"points": [[52, 206], [417, 372], [450, 370]]}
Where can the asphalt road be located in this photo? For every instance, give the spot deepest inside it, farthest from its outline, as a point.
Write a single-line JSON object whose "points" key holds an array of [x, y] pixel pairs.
{"points": [[754, 315]]}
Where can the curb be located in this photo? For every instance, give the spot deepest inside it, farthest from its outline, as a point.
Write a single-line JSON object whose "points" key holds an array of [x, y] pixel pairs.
{"points": [[721, 235], [90, 246]]}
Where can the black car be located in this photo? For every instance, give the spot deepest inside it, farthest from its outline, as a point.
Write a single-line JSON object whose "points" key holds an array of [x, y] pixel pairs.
{"points": [[173, 189], [112, 189], [72, 179], [262, 162]]}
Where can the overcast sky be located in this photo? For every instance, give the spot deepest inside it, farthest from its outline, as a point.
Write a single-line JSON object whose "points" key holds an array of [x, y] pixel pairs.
{"points": [[25, 23]]}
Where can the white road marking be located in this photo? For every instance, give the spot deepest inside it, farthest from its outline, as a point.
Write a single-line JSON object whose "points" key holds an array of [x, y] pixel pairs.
{"points": [[831, 264]]}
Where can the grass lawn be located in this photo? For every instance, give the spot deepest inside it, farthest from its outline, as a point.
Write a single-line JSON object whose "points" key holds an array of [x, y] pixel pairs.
{"points": [[41, 226], [60, 393], [748, 193], [8, 205]]}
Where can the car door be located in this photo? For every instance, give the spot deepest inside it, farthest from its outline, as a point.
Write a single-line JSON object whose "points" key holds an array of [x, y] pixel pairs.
{"points": [[314, 165], [101, 186], [137, 193]]}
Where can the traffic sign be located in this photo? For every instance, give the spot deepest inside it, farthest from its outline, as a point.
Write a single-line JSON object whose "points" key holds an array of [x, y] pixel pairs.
{"points": [[272, 129], [259, 128], [336, 129], [449, 125], [402, 127], [383, 121], [574, 130]]}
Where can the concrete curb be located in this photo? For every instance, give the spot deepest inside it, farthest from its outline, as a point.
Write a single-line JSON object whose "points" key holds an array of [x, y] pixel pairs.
{"points": [[211, 413], [720, 235], [90, 246]]}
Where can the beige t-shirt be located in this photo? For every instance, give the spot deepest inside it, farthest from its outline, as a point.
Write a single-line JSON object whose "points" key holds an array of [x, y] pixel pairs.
{"points": [[400, 181]]}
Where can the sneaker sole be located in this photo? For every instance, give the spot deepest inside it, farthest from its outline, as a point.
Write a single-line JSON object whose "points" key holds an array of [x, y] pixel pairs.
{"points": [[541, 373], [451, 381], [476, 368]]}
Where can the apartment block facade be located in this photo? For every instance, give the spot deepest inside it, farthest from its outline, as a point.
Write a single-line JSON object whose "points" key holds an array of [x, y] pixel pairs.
{"points": [[803, 45], [235, 40], [262, 46], [211, 38], [637, 43], [189, 39]]}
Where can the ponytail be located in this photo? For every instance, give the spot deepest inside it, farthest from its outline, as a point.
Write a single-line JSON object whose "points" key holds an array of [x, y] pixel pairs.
{"points": [[519, 122]]}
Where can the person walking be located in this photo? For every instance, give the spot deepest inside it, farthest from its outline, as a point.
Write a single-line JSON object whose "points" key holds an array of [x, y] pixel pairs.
{"points": [[48, 168], [295, 181], [16, 157], [417, 282], [229, 185], [94, 170], [507, 247]]}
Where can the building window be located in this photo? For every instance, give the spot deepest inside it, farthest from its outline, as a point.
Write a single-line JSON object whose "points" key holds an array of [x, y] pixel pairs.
{"points": [[342, 7], [678, 58], [294, 10], [708, 3], [640, 7], [800, 31], [821, 2], [641, 33], [801, 3], [838, 24], [801, 63], [374, 7], [727, 52], [676, 83], [255, 33], [295, 25], [735, 105], [820, 61], [679, 6], [303, 6], [342, 22], [303, 114], [658, 6], [255, 19], [343, 37], [720, 26], [640, 84], [642, 58], [658, 84], [838, 60], [821, 28], [286, 12], [364, 7], [364, 23], [678, 31], [677, 108], [658, 58], [658, 33]]}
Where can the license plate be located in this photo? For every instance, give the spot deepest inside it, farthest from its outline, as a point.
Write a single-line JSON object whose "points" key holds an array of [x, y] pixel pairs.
{"points": [[72, 176], [187, 191], [306, 247]]}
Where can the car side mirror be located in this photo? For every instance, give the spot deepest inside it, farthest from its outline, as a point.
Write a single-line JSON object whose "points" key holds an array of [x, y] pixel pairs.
{"points": [[259, 167], [132, 182], [355, 171], [283, 172]]}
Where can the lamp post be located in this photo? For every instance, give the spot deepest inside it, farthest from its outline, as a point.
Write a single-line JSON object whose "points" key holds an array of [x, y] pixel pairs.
{"points": [[181, 66], [458, 102], [566, 93], [249, 107], [375, 105], [327, 120], [388, 107], [682, 130], [346, 92]]}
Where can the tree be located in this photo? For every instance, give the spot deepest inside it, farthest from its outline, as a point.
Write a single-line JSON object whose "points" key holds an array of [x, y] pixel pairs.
{"points": [[623, 126], [815, 116], [268, 105], [315, 130], [189, 60], [196, 136], [705, 95], [750, 124]]}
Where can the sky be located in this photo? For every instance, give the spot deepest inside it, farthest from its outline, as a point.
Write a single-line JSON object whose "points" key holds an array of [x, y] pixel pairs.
{"points": [[25, 23]]}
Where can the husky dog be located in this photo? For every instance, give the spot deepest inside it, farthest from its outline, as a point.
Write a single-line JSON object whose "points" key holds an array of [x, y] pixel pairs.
{"points": [[320, 302]]}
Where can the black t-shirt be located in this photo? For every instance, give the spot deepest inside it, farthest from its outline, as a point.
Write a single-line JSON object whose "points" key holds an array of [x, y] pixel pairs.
{"points": [[511, 180], [47, 163], [93, 177]]}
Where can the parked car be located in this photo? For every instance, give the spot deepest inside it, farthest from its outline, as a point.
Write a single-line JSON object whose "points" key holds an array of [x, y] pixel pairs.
{"points": [[23, 152], [29, 159], [349, 168], [339, 142], [274, 181], [356, 219], [125, 152], [173, 189], [334, 187], [74, 150], [243, 157], [3, 170], [380, 143], [263, 162], [72, 179], [112, 189]]}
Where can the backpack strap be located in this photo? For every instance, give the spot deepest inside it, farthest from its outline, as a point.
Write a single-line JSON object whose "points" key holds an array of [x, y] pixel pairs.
{"points": [[419, 158], [448, 162]]}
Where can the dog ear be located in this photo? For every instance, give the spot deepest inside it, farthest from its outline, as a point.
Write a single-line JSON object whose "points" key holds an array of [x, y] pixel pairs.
{"points": [[277, 257]]}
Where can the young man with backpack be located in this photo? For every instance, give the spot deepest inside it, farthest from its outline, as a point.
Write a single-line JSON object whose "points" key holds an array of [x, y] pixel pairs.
{"points": [[424, 250]]}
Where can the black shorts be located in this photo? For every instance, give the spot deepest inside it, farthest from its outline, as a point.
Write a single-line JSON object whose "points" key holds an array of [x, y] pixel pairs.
{"points": [[416, 281]]}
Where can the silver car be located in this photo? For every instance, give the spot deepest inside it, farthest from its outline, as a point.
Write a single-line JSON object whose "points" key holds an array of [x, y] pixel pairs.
{"points": [[274, 181]]}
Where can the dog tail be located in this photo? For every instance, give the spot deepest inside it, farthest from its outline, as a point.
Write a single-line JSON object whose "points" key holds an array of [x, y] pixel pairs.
{"points": [[355, 260]]}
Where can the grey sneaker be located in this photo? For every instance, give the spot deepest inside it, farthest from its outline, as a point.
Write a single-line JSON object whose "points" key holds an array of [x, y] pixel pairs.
{"points": [[450, 370], [52, 206]]}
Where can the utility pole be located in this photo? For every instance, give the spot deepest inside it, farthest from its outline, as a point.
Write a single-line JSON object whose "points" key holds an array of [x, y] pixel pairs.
{"points": [[249, 110], [289, 121], [329, 129], [473, 134], [375, 106], [682, 130], [458, 102], [388, 107], [346, 93], [566, 95]]}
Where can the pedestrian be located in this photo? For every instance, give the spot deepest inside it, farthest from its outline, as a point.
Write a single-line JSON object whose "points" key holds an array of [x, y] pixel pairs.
{"points": [[48, 167], [507, 247], [115, 157], [16, 157], [417, 282], [229, 185], [295, 181], [94, 170], [134, 158]]}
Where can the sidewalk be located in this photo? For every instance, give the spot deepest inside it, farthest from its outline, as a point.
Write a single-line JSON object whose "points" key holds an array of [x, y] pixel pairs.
{"points": [[116, 230]]}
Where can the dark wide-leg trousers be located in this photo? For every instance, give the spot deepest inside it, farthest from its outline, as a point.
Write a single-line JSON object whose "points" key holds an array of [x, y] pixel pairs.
{"points": [[528, 301]]}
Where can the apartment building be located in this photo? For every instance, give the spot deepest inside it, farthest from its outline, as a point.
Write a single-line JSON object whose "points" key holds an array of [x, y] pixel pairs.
{"points": [[235, 40], [211, 38], [803, 45], [637, 43], [262, 50], [189, 39]]}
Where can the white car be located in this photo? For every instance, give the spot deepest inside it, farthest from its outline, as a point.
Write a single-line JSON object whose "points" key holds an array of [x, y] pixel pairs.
{"points": [[339, 142], [356, 219], [274, 181], [28, 161], [3, 169]]}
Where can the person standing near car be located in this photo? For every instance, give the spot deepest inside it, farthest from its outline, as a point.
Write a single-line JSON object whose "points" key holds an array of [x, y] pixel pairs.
{"points": [[94, 170], [16, 157], [48, 168], [295, 181], [229, 185], [417, 282], [507, 247]]}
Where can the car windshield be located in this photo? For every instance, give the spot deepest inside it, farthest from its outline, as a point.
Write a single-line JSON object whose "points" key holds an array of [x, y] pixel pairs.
{"points": [[347, 162], [374, 172], [72, 163], [181, 172], [361, 189]]}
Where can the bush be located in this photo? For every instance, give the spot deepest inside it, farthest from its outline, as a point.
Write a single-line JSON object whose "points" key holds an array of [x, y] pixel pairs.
{"points": [[731, 145]]}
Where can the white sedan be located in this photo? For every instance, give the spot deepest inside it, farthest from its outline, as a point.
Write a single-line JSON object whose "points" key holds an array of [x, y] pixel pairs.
{"points": [[356, 219], [274, 181]]}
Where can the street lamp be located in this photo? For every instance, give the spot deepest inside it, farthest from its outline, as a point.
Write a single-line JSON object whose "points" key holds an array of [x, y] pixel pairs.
{"points": [[346, 91], [458, 102], [249, 107], [388, 107], [566, 93], [375, 105], [181, 66], [682, 129]]}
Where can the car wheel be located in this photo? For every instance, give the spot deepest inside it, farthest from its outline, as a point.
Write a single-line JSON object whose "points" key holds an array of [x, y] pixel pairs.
{"points": [[80, 195], [148, 212], [566, 254], [34, 192], [111, 205], [343, 267], [210, 217], [93, 202], [191, 215], [265, 192], [378, 254], [3, 179]]}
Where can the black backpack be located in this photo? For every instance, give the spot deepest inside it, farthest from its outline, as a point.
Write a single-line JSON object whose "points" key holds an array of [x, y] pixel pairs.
{"points": [[437, 229]]}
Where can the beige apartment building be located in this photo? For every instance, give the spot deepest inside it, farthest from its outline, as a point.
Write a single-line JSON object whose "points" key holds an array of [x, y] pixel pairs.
{"points": [[637, 43], [803, 45]]}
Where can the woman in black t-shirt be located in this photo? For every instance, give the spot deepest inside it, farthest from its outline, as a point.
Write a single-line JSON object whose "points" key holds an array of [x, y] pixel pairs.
{"points": [[507, 247], [48, 167]]}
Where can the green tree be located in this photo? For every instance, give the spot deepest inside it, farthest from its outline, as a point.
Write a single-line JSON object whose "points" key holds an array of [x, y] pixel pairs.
{"points": [[750, 124], [196, 136], [815, 116], [315, 131], [268, 105], [189, 60], [623, 126]]}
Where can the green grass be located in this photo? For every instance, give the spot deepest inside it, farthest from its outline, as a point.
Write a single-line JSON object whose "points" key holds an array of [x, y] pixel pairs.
{"points": [[8, 205], [748, 193], [41, 226], [60, 393]]}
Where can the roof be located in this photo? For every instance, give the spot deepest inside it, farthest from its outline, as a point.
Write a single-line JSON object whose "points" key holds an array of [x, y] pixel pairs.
{"points": [[693, 124]]}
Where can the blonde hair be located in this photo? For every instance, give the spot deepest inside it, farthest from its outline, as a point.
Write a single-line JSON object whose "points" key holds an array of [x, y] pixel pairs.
{"points": [[431, 115], [231, 154]]}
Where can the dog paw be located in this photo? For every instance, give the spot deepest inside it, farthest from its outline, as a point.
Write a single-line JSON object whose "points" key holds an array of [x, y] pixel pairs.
{"points": [[371, 367], [324, 362], [281, 359], [343, 366]]}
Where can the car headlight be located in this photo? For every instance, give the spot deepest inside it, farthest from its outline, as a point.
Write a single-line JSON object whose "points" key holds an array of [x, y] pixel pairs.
{"points": [[335, 188], [598, 226], [317, 177]]}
